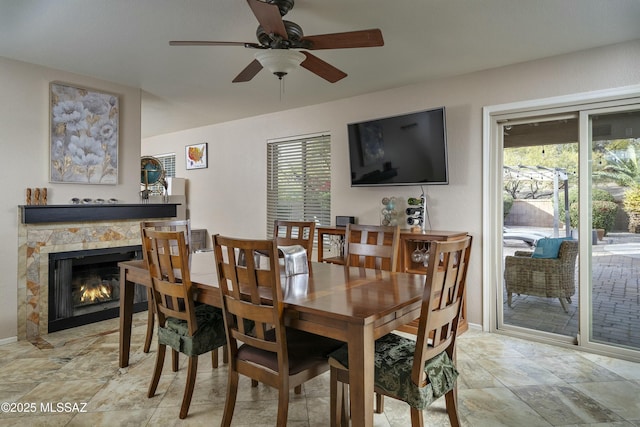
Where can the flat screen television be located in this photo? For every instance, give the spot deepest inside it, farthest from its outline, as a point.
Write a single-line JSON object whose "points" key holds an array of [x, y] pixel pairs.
{"points": [[409, 149]]}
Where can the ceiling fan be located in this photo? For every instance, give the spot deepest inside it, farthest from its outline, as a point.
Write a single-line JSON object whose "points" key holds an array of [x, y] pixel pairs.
{"points": [[278, 40]]}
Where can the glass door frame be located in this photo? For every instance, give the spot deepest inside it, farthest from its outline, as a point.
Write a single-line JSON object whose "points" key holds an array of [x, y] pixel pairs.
{"points": [[585, 199], [502, 120], [494, 119]]}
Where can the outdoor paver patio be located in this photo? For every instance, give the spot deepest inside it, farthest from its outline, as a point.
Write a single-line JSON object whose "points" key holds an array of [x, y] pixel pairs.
{"points": [[615, 296]]}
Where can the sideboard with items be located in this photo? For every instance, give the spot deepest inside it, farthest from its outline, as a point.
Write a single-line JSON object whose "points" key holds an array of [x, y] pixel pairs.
{"points": [[410, 240]]}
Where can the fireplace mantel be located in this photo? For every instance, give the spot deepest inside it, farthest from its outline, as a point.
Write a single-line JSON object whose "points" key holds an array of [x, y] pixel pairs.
{"points": [[39, 214]]}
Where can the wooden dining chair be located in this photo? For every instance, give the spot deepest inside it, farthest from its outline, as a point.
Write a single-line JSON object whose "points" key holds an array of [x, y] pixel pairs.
{"points": [[165, 225], [417, 371], [372, 246], [252, 304], [287, 233], [185, 327]]}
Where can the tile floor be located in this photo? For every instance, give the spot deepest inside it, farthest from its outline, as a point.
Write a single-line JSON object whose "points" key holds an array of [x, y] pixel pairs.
{"points": [[503, 382]]}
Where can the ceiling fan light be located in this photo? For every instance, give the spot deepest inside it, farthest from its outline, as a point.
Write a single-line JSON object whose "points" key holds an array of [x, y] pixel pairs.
{"points": [[280, 61]]}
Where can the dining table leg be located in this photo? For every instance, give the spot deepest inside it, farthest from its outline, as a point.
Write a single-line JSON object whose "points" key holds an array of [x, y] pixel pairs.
{"points": [[361, 373], [127, 290]]}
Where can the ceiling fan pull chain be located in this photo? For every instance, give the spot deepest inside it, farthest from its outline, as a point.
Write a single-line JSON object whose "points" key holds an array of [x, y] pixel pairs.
{"points": [[281, 88]]}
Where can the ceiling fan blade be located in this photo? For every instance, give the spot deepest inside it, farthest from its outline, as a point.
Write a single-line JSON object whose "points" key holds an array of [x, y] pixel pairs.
{"points": [[212, 43], [249, 72], [268, 15], [322, 69], [350, 39]]}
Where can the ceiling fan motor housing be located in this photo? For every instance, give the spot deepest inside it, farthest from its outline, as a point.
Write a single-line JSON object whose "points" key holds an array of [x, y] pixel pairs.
{"points": [[284, 6], [274, 41]]}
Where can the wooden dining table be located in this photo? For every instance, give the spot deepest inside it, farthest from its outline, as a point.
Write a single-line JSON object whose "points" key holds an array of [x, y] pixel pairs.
{"points": [[351, 304]]}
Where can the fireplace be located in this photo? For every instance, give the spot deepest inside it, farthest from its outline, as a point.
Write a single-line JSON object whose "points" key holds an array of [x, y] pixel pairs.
{"points": [[45, 230], [84, 286]]}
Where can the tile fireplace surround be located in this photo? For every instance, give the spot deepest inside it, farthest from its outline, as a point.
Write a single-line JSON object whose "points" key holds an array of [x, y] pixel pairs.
{"points": [[37, 240]]}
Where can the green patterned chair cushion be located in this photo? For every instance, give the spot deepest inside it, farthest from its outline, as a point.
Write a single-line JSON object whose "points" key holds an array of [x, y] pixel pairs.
{"points": [[209, 336], [393, 363]]}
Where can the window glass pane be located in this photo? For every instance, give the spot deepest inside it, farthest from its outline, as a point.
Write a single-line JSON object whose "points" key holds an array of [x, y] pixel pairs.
{"points": [[299, 181]]}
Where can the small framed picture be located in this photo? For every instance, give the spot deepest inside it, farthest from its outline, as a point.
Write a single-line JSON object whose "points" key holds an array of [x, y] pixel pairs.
{"points": [[196, 156]]}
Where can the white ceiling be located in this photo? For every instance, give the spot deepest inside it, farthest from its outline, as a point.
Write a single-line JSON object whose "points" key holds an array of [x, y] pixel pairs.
{"points": [[126, 42]]}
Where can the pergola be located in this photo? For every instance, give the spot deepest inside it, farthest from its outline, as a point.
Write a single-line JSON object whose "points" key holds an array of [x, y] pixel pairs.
{"points": [[545, 174]]}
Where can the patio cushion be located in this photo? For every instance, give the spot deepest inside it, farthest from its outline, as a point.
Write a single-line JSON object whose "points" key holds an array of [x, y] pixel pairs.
{"points": [[393, 363], [548, 247]]}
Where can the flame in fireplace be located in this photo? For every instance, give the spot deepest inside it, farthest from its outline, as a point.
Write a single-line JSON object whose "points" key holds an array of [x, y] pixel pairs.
{"points": [[95, 292]]}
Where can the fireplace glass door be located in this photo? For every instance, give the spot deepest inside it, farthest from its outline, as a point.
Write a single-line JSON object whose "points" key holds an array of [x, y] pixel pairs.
{"points": [[84, 286]]}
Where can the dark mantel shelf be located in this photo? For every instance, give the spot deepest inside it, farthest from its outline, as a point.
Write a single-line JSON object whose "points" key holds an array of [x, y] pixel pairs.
{"points": [[41, 214]]}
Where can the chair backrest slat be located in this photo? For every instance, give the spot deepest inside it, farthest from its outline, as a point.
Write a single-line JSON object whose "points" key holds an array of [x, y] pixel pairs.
{"points": [[183, 225], [165, 253], [372, 246], [288, 233], [445, 285], [251, 294]]}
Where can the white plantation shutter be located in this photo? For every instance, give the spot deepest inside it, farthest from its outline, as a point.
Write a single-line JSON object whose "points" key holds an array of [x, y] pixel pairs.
{"points": [[299, 180], [169, 163]]}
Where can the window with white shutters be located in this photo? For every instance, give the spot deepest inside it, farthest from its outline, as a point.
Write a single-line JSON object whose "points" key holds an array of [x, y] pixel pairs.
{"points": [[299, 180]]}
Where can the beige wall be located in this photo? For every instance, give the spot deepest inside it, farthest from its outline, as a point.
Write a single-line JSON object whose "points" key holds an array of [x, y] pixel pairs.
{"points": [[230, 196], [24, 124]]}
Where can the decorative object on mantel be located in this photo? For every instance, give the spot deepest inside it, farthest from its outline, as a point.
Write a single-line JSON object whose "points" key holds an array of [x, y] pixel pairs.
{"points": [[89, 201], [196, 156], [36, 196], [151, 172], [84, 135], [389, 212]]}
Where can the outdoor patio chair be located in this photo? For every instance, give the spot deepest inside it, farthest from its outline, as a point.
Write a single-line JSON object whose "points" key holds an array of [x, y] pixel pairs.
{"points": [[543, 277]]}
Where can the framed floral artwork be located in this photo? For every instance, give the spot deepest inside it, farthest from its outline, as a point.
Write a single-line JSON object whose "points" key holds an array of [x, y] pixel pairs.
{"points": [[196, 156], [84, 135]]}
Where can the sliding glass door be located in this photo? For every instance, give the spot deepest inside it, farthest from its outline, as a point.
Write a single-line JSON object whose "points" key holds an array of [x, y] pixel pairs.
{"points": [[568, 171], [613, 294], [540, 178]]}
